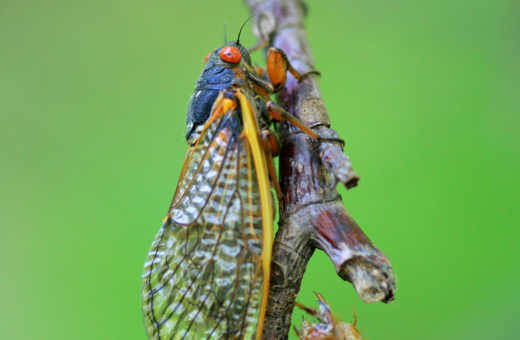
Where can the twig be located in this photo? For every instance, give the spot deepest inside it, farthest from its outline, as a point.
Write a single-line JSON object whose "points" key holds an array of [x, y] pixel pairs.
{"points": [[314, 216]]}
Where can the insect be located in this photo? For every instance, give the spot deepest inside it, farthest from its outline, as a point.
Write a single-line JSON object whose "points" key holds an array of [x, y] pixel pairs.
{"points": [[206, 275], [329, 328]]}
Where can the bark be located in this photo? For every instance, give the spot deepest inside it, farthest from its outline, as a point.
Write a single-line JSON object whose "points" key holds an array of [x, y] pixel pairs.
{"points": [[313, 213]]}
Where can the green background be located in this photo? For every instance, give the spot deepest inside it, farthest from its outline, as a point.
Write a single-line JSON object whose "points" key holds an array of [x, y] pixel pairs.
{"points": [[93, 99]]}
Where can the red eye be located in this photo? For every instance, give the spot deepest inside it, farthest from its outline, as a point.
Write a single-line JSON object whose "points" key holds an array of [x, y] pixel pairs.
{"points": [[230, 54]]}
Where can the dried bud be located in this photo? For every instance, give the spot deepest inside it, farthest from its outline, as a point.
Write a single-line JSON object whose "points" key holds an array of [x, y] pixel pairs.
{"points": [[329, 327]]}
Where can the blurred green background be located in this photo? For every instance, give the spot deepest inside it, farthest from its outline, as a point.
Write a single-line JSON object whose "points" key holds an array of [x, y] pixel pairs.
{"points": [[93, 99]]}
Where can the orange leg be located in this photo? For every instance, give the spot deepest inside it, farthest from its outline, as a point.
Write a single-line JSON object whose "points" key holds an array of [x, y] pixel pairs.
{"points": [[271, 148], [258, 46], [280, 114], [277, 67]]}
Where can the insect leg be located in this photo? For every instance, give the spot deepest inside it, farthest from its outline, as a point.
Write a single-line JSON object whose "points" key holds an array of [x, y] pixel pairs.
{"points": [[258, 46], [277, 67], [268, 141], [261, 86], [280, 114], [271, 148]]}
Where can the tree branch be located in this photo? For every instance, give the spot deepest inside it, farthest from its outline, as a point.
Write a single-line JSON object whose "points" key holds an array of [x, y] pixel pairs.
{"points": [[314, 215]]}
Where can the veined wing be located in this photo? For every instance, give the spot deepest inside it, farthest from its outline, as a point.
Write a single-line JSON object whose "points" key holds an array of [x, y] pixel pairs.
{"points": [[204, 272]]}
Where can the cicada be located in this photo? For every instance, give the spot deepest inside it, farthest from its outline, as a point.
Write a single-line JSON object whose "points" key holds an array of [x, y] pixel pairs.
{"points": [[206, 275]]}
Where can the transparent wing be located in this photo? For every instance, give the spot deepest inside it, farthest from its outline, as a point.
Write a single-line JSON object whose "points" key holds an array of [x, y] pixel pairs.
{"points": [[202, 278]]}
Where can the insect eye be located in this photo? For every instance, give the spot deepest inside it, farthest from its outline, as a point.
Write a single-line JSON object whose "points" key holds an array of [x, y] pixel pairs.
{"points": [[230, 54]]}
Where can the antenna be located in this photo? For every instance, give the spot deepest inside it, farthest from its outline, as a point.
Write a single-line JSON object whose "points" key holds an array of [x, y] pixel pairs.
{"points": [[225, 32], [238, 39]]}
